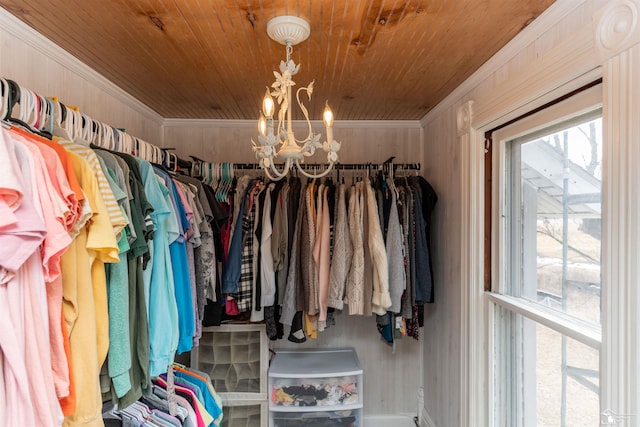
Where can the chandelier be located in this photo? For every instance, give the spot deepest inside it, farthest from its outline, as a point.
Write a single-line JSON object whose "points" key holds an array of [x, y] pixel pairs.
{"points": [[280, 142]]}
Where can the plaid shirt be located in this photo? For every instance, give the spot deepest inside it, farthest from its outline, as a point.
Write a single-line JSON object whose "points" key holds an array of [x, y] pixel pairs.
{"points": [[245, 283]]}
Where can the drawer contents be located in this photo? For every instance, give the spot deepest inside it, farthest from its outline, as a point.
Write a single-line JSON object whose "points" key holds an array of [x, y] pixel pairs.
{"points": [[315, 388], [319, 393]]}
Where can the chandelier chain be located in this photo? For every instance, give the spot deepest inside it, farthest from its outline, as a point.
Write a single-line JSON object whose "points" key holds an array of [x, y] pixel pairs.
{"points": [[289, 51]]}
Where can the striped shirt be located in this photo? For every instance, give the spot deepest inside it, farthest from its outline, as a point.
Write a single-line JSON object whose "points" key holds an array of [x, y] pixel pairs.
{"points": [[118, 221]]}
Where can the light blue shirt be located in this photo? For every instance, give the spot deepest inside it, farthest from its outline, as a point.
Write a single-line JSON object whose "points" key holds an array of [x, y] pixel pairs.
{"points": [[162, 309]]}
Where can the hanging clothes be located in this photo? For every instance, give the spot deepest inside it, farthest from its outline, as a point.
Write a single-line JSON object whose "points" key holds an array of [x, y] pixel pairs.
{"points": [[99, 267]]}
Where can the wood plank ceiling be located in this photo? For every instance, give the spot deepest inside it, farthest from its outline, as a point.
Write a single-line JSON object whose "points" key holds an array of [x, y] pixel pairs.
{"points": [[211, 59]]}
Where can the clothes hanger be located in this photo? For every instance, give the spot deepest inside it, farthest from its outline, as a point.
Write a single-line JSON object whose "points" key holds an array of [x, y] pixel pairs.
{"points": [[231, 178], [172, 163], [220, 184], [223, 181], [204, 170], [158, 153], [127, 142], [96, 134], [43, 113], [26, 111], [143, 152], [227, 181], [113, 138], [36, 111], [13, 94], [86, 126], [4, 101], [151, 153], [51, 112], [138, 148]]}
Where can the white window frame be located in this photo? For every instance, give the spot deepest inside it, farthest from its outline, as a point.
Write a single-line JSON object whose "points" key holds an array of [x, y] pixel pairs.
{"points": [[593, 50], [577, 105]]}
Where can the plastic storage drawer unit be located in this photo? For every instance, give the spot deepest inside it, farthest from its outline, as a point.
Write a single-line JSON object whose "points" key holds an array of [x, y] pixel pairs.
{"points": [[321, 387]]}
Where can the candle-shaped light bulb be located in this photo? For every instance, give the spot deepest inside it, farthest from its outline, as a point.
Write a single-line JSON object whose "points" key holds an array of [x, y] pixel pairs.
{"points": [[267, 105], [262, 125], [327, 115], [327, 118]]}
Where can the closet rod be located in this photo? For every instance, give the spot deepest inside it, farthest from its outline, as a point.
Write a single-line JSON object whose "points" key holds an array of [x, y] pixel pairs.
{"points": [[337, 166]]}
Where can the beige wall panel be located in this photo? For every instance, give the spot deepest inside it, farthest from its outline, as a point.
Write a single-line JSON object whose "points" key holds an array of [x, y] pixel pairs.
{"points": [[442, 319], [360, 143], [34, 70]]}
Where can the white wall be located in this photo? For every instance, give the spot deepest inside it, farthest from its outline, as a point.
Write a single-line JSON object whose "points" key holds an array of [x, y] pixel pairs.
{"points": [[230, 140], [37, 64], [570, 45]]}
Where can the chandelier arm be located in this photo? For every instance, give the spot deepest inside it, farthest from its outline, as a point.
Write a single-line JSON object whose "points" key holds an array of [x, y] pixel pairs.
{"points": [[308, 175], [309, 90], [266, 171], [277, 175]]}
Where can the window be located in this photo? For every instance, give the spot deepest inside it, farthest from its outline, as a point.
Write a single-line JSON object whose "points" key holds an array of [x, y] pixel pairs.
{"points": [[545, 293]]}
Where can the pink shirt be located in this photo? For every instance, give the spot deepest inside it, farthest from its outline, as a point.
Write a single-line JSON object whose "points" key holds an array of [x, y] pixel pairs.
{"points": [[24, 336], [53, 210], [21, 228]]}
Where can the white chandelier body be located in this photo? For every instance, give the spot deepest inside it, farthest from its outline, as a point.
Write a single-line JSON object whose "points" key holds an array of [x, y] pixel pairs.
{"points": [[281, 142]]}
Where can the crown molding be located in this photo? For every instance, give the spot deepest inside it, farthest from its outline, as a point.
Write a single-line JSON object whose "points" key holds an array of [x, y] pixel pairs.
{"points": [[545, 22], [222, 123], [25, 33]]}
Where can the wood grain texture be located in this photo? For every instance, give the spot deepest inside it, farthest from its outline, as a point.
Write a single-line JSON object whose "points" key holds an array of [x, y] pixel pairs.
{"points": [[372, 59]]}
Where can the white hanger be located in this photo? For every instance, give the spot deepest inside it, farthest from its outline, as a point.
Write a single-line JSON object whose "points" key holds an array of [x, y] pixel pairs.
{"points": [[107, 136], [76, 124], [96, 136], [118, 140], [87, 128], [141, 149], [128, 142], [25, 107], [44, 106]]}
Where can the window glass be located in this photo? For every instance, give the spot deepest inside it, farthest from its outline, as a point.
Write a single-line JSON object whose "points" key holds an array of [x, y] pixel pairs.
{"points": [[547, 290], [567, 380], [555, 205]]}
